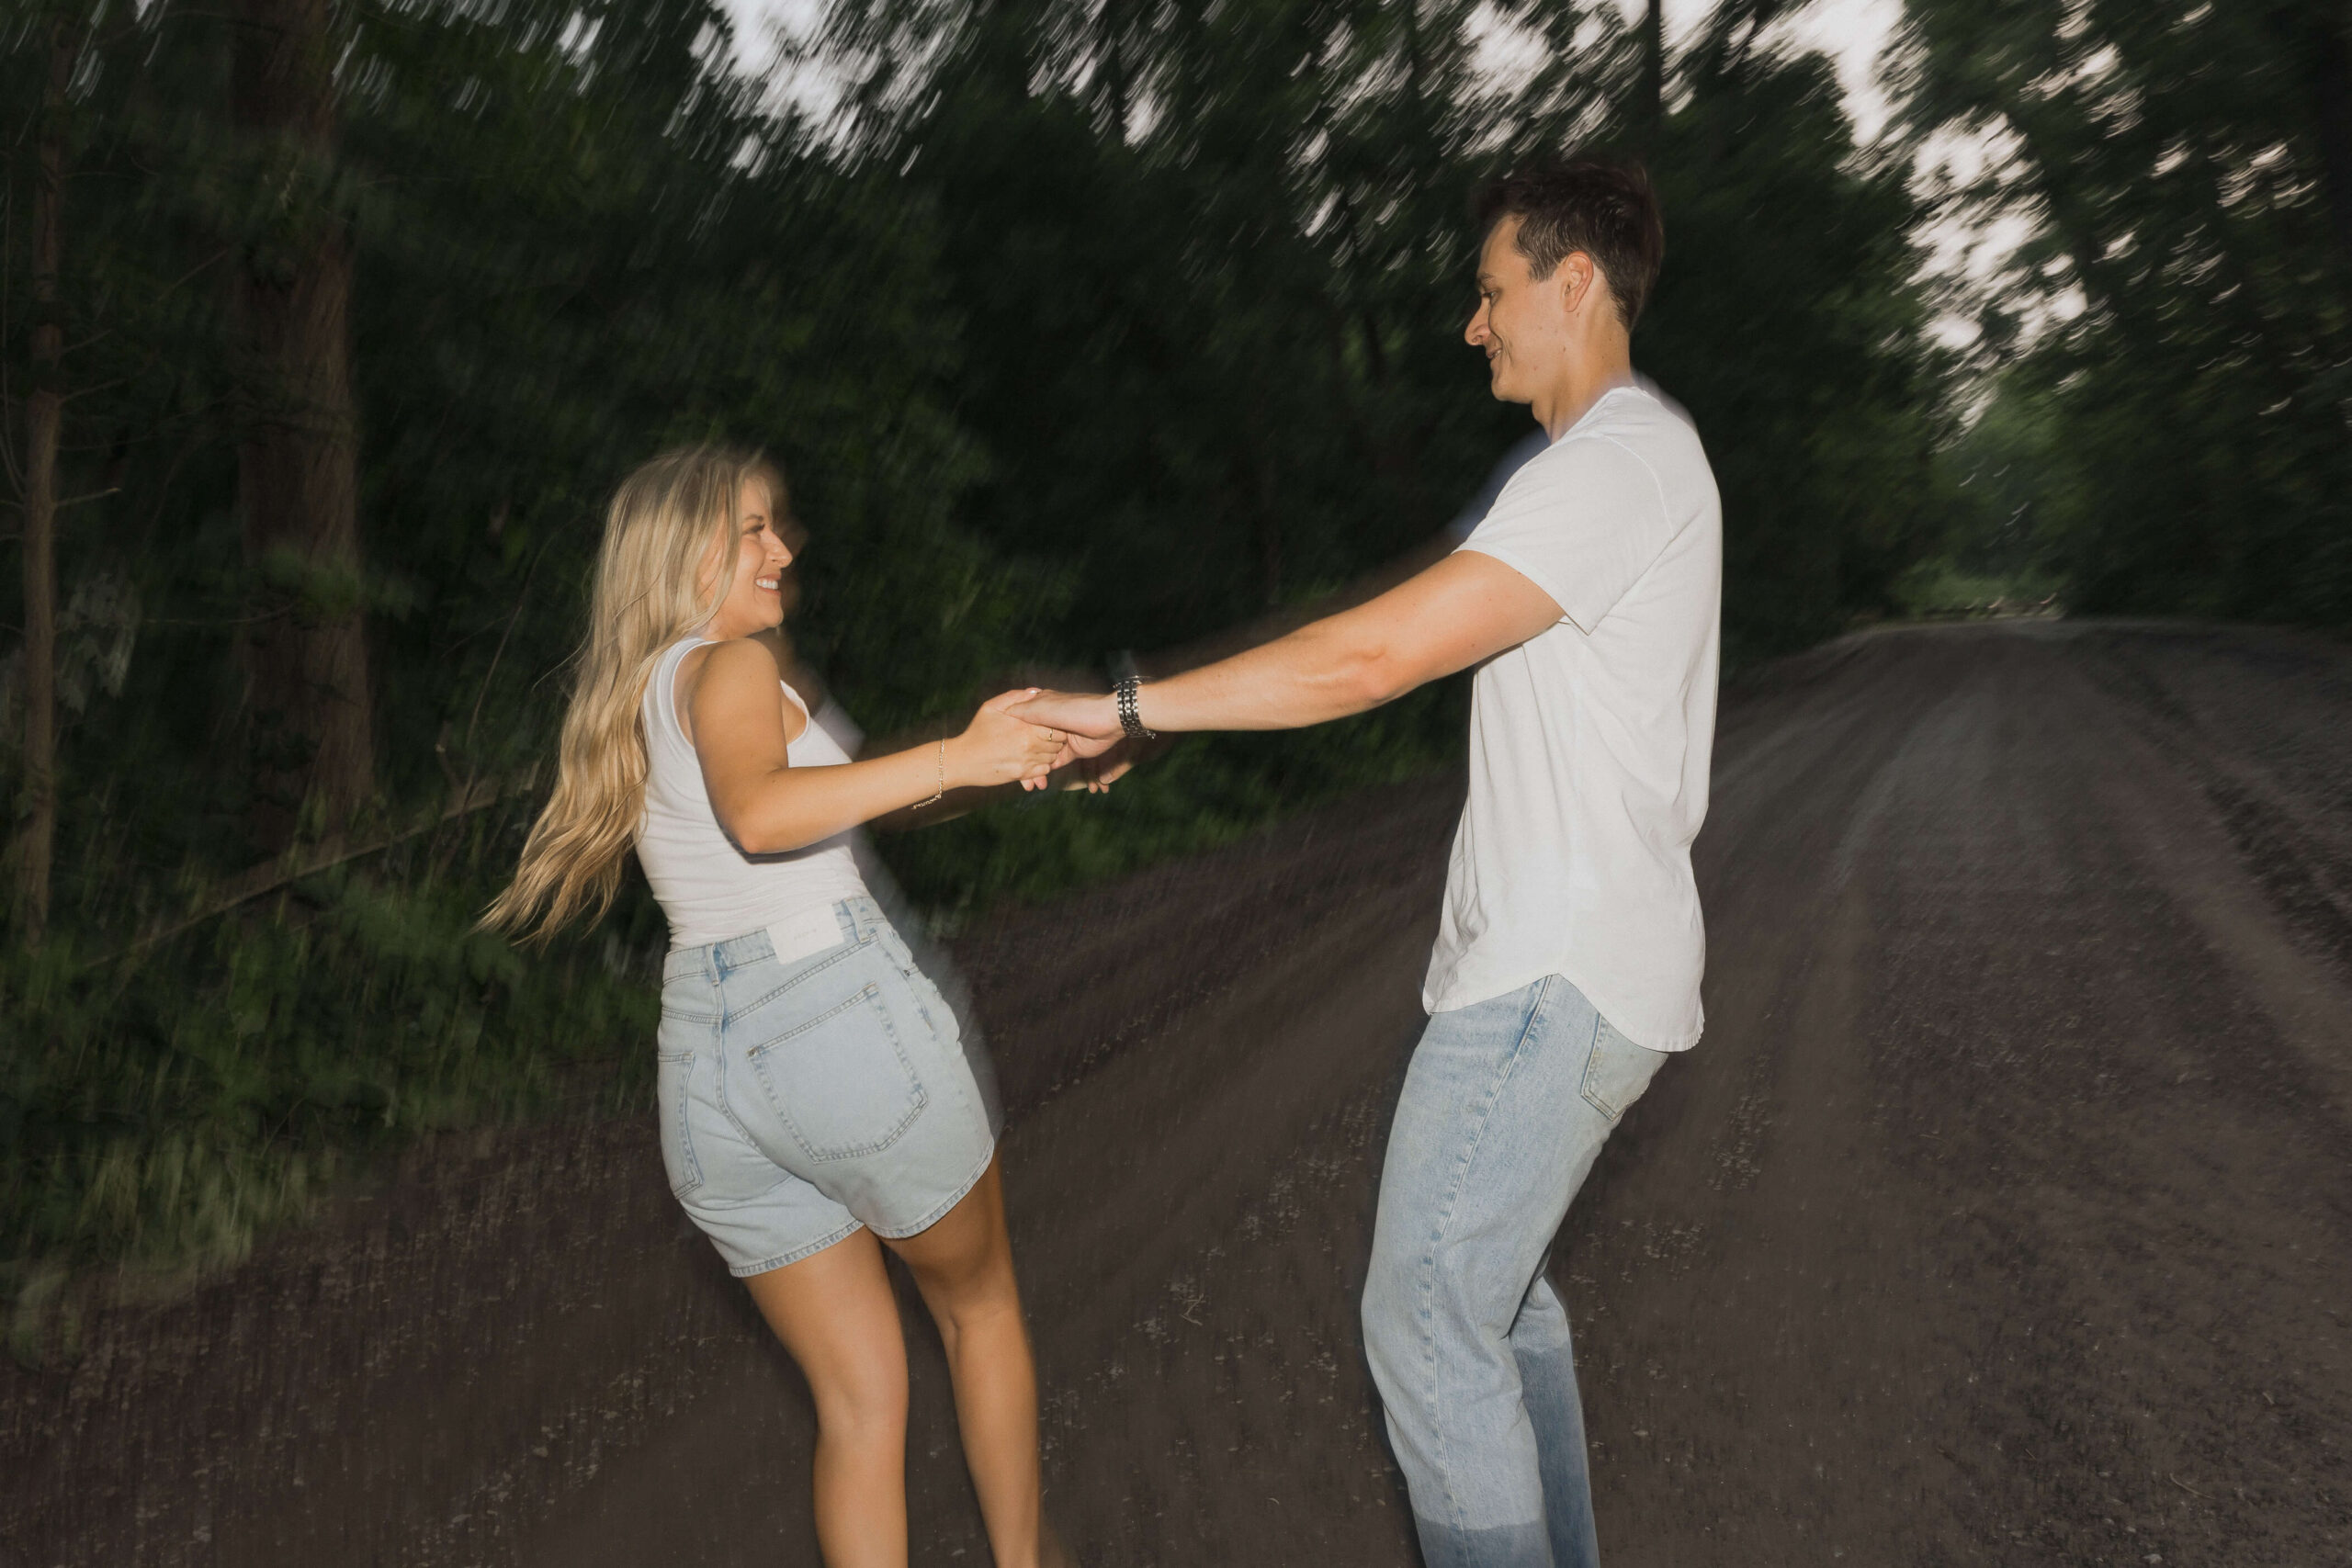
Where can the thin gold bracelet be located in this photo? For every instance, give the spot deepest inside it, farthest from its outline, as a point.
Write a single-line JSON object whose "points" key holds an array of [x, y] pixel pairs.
{"points": [[918, 804]]}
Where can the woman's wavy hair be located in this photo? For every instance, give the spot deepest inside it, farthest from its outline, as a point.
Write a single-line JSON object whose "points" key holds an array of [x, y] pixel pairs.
{"points": [[662, 525]]}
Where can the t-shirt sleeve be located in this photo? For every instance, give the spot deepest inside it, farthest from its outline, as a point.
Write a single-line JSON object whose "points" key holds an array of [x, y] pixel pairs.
{"points": [[1582, 525], [1474, 512]]}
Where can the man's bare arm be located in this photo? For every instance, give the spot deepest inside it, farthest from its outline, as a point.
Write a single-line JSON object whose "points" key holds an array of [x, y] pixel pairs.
{"points": [[1275, 623], [1466, 608]]}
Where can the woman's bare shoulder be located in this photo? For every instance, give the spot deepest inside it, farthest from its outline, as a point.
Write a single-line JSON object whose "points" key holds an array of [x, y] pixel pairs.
{"points": [[741, 670], [737, 659], [721, 672]]}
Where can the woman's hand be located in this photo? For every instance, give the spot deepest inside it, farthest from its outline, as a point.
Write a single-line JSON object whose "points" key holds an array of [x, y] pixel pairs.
{"points": [[997, 748], [1091, 723]]}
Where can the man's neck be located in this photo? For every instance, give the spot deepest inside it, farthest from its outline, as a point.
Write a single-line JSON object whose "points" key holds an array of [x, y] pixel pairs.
{"points": [[1585, 381]]}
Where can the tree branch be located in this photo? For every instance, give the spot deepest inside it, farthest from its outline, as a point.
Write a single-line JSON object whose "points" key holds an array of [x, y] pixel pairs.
{"points": [[308, 860]]}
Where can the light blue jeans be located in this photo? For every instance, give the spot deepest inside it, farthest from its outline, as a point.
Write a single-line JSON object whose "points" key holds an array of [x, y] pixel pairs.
{"points": [[1506, 1105]]}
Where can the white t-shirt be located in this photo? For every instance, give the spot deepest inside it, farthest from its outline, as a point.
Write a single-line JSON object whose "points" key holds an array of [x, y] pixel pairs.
{"points": [[1589, 743]]}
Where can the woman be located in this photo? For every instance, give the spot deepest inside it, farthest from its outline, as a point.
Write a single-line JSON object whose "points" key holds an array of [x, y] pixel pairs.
{"points": [[813, 1095]]}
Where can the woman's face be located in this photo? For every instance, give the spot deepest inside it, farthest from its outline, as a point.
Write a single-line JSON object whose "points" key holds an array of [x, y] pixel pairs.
{"points": [[758, 589]]}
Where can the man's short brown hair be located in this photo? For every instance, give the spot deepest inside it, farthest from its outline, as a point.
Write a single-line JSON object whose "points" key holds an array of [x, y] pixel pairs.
{"points": [[1599, 205]]}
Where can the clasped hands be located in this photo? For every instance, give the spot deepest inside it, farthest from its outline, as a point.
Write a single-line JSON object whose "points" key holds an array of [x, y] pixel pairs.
{"points": [[1032, 734]]}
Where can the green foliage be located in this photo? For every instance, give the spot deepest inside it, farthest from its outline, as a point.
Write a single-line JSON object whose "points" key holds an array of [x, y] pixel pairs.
{"points": [[163, 1105], [1088, 329], [1214, 272], [572, 250], [2190, 170], [1209, 264], [1789, 321]]}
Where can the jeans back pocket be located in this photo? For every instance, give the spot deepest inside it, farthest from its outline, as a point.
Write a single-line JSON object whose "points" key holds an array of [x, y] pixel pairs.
{"points": [[840, 1081], [1617, 1071]]}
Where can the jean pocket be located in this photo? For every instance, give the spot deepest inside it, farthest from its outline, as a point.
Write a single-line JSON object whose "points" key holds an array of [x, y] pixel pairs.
{"points": [[840, 1082], [674, 1088], [1617, 1071]]}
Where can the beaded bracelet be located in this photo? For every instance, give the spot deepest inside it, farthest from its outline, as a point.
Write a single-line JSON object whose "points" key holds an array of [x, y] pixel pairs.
{"points": [[1129, 719]]}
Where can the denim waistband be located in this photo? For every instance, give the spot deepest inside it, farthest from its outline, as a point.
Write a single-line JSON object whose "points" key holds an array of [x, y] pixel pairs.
{"points": [[855, 920]]}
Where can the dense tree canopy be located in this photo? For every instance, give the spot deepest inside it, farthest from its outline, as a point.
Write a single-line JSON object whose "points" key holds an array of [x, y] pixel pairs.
{"points": [[1087, 329], [2180, 445], [1213, 270]]}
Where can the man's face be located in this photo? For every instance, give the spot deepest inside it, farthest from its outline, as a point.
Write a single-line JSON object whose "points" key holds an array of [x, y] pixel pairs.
{"points": [[1522, 323]]}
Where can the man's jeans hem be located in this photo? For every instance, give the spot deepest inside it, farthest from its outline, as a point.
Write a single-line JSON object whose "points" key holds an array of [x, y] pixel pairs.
{"points": [[1505, 1546]]}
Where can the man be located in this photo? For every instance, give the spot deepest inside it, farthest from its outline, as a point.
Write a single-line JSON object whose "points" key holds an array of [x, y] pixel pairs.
{"points": [[1474, 512], [1567, 962]]}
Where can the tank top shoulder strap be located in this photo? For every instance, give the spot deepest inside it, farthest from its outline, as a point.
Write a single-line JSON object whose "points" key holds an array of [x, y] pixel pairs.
{"points": [[661, 692]]}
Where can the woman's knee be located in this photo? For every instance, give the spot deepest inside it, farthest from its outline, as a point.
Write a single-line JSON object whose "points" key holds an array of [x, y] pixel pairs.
{"points": [[985, 1311], [971, 1299], [862, 1403]]}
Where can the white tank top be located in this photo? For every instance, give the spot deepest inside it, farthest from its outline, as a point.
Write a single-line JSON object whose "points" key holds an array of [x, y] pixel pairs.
{"points": [[710, 890]]}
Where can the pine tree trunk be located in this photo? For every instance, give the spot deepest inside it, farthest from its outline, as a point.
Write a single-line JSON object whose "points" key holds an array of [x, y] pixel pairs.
{"points": [[2331, 68], [36, 835], [297, 471]]}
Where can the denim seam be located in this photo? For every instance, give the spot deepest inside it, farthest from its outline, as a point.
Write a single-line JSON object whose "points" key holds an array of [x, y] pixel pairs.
{"points": [[742, 1270], [1535, 1015], [1586, 1089], [848, 950], [940, 1212], [686, 1155], [913, 974], [749, 1200], [727, 1102], [865, 993]]}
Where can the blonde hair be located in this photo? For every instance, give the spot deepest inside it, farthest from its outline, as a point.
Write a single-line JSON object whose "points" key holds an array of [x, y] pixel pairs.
{"points": [[659, 530]]}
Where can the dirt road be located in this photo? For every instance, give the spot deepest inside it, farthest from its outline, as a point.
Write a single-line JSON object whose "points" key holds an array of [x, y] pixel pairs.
{"points": [[2003, 1216]]}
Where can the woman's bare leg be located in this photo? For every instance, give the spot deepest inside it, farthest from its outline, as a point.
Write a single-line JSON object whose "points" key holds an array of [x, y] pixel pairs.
{"points": [[836, 1313], [964, 1267]]}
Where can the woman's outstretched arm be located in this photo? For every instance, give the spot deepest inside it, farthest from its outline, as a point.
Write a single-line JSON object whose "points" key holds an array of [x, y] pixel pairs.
{"points": [[766, 805]]}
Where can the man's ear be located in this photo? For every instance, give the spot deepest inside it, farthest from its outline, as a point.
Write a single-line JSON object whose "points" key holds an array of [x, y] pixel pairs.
{"points": [[1577, 276]]}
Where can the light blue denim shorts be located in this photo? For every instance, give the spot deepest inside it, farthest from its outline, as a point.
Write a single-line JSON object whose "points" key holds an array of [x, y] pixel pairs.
{"points": [[803, 1098]]}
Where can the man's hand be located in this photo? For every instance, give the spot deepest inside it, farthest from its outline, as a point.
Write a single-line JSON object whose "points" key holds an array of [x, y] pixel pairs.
{"points": [[999, 748], [1090, 724], [1097, 773]]}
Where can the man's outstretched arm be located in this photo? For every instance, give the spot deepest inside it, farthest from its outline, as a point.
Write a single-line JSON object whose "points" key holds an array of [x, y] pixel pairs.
{"points": [[1160, 664], [1467, 607]]}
